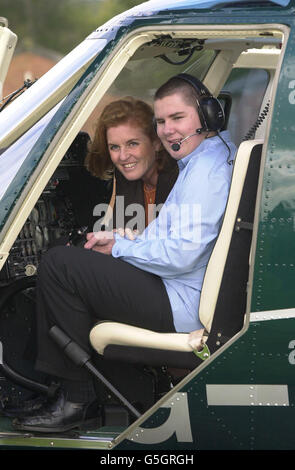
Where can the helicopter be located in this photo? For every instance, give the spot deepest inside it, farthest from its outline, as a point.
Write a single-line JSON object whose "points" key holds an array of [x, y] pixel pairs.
{"points": [[237, 391]]}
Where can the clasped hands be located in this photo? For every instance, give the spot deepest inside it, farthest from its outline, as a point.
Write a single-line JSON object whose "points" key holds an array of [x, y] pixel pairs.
{"points": [[103, 241]]}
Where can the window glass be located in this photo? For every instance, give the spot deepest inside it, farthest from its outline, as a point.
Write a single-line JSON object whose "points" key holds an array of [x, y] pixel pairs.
{"points": [[52, 84], [12, 158], [247, 88], [140, 78]]}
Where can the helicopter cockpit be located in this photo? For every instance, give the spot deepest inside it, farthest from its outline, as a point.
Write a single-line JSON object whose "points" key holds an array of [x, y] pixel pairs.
{"points": [[46, 193]]}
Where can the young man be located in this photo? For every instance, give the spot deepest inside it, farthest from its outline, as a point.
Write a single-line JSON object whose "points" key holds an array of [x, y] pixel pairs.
{"points": [[152, 281]]}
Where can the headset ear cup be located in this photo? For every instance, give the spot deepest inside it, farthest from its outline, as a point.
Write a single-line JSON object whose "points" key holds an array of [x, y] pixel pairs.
{"points": [[212, 112]]}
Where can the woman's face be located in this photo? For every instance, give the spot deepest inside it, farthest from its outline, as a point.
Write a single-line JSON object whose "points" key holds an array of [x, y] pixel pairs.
{"points": [[132, 152], [176, 120]]}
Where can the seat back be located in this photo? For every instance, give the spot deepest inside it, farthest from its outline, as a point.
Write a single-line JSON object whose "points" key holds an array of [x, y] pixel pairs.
{"points": [[228, 297], [242, 193]]}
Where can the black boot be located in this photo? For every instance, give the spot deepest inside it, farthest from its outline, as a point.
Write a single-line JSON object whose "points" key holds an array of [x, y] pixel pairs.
{"points": [[75, 406], [59, 416]]}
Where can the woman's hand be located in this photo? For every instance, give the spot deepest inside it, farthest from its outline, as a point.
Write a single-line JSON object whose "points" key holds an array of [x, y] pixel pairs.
{"points": [[127, 232], [103, 242]]}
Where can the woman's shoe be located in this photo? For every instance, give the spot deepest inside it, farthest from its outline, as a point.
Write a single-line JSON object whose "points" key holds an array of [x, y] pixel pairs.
{"points": [[59, 416]]}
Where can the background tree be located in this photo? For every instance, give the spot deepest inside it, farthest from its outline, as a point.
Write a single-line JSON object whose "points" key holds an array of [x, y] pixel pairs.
{"points": [[58, 25]]}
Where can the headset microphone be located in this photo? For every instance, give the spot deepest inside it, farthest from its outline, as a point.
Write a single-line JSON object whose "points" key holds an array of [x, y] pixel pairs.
{"points": [[176, 145]]}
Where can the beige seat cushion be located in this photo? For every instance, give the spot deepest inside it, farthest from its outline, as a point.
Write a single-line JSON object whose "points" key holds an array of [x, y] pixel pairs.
{"points": [[121, 334]]}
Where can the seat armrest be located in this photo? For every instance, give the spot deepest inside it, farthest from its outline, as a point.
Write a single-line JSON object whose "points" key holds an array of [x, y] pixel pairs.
{"points": [[106, 333]]}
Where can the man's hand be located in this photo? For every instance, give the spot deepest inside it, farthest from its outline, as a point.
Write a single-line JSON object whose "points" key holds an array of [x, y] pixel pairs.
{"points": [[100, 241], [195, 338]]}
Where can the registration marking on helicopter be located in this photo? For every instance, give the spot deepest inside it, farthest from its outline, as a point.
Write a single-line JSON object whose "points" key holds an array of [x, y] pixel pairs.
{"points": [[178, 422], [247, 395]]}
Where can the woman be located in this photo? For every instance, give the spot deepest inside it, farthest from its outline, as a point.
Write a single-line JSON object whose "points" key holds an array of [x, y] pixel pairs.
{"points": [[127, 151]]}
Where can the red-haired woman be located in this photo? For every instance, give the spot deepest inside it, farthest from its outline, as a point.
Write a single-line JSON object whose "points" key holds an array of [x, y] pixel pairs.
{"points": [[127, 150]]}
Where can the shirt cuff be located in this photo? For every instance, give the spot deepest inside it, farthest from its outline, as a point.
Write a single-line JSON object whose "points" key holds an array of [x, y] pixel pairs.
{"points": [[119, 245]]}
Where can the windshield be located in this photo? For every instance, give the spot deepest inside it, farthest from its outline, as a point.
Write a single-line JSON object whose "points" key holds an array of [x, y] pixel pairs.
{"points": [[12, 158], [49, 89]]}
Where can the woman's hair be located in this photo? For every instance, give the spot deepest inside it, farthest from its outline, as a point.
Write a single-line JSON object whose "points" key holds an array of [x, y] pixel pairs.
{"points": [[130, 110]]}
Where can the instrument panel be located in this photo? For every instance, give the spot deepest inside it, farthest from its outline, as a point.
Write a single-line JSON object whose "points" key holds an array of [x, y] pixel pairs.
{"points": [[66, 204]]}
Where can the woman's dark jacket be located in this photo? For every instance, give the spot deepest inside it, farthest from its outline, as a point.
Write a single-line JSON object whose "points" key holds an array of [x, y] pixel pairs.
{"points": [[133, 190]]}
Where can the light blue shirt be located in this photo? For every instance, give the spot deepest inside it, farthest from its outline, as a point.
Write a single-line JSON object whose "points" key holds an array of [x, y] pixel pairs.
{"points": [[177, 245]]}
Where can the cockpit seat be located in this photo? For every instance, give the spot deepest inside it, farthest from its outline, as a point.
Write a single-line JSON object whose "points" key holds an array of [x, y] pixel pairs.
{"points": [[223, 298]]}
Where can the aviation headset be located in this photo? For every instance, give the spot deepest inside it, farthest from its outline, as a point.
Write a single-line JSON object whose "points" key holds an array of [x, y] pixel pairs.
{"points": [[209, 108]]}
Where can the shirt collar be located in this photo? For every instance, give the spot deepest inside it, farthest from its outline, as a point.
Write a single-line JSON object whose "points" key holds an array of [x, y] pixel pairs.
{"points": [[184, 161], [194, 154]]}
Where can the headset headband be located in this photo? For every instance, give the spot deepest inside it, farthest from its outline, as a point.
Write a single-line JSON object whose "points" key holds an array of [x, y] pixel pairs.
{"points": [[195, 83], [209, 108]]}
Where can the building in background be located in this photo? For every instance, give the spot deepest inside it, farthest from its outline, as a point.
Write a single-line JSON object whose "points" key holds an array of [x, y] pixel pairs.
{"points": [[28, 65]]}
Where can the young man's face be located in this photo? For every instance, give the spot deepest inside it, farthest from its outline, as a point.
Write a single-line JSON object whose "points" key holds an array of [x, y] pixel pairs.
{"points": [[175, 121]]}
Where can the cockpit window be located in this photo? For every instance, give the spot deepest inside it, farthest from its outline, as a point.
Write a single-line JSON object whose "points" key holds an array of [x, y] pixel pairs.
{"points": [[247, 88], [14, 157], [143, 76], [47, 91]]}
